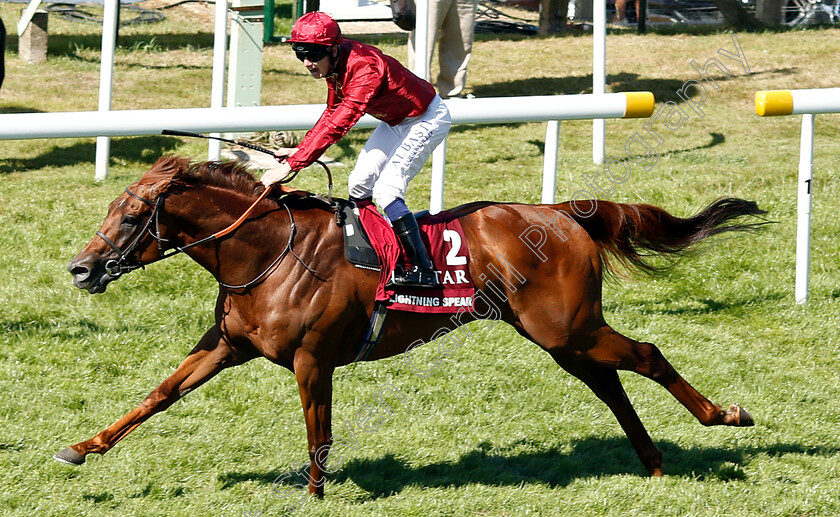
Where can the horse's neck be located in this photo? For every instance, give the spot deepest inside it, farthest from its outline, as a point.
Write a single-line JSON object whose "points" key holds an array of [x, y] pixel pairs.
{"points": [[204, 211], [207, 211], [252, 245]]}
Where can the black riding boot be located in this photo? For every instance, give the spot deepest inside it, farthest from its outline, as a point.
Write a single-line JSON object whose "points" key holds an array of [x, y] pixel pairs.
{"points": [[421, 273]]}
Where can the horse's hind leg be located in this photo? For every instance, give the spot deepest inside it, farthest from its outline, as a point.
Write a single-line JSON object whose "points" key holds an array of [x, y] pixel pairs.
{"points": [[606, 385], [620, 352], [209, 357]]}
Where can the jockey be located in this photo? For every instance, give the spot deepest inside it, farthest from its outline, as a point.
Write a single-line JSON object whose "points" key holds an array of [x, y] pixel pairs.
{"points": [[361, 79]]}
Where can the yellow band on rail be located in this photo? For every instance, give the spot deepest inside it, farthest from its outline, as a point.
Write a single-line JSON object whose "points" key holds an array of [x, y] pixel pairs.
{"points": [[639, 104], [771, 103]]}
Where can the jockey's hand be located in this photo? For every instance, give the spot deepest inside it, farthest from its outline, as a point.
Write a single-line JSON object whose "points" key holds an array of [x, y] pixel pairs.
{"points": [[284, 152], [275, 174]]}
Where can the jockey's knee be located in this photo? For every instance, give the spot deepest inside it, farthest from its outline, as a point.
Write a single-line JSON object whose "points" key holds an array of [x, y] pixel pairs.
{"points": [[357, 188], [358, 191], [385, 194]]}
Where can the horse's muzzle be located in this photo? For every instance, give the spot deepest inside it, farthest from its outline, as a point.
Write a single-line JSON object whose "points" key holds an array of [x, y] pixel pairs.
{"points": [[90, 275]]}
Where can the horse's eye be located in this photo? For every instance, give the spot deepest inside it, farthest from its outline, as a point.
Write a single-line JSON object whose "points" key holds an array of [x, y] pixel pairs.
{"points": [[129, 220]]}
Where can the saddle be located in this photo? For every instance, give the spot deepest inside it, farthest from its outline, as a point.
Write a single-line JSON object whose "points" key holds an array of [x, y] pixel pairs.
{"points": [[370, 243], [357, 248]]}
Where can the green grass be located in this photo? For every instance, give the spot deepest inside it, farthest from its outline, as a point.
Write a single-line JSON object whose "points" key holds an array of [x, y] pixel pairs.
{"points": [[499, 429]]}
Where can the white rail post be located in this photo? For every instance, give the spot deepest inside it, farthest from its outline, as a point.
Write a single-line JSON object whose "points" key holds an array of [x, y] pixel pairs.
{"points": [[438, 178], [106, 82], [805, 102], [217, 90], [552, 138], [599, 75], [421, 40], [26, 16], [421, 69], [803, 209]]}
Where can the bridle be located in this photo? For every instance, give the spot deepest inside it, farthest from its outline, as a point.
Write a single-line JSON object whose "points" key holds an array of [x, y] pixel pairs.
{"points": [[126, 262]]}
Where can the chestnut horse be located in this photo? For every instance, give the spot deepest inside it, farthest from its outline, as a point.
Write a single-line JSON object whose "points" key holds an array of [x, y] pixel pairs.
{"points": [[287, 293]]}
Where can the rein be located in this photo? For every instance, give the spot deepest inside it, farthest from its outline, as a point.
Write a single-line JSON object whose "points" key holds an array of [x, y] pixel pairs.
{"points": [[124, 264]]}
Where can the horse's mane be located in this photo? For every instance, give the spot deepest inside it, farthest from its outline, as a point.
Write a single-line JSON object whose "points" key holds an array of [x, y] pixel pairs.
{"points": [[174, 172]]}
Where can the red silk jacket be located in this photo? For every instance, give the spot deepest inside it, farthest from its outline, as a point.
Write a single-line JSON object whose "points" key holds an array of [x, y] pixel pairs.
{"points": [[365, 81]]}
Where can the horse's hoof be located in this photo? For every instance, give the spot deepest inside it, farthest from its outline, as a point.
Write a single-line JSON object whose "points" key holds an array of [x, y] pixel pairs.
{"points": [[69, 456], [742, 417]]}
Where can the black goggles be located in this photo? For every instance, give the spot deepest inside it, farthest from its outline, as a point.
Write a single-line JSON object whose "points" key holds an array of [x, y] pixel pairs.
{"points": [[312, 52]]}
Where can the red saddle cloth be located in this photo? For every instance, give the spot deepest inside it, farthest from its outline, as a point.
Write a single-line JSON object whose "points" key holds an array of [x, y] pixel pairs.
{"points": [[444, 237]]}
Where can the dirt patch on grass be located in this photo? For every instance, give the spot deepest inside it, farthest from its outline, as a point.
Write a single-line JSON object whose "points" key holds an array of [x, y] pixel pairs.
{"points": [[199, 13]]}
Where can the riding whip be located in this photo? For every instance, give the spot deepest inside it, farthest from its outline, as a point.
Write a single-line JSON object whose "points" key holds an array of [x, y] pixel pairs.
{"points": [[173, 132]]}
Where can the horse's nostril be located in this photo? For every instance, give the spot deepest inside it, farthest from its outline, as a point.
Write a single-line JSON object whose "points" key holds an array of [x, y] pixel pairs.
{"points": [[78, 270]]}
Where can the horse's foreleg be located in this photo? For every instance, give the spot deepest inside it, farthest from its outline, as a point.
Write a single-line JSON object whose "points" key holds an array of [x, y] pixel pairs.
{"points": [[645, 359], [606, 385], [209, 357], [315, 385]]}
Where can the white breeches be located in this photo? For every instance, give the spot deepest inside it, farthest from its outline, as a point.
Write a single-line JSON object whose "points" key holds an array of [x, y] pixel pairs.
{"points": [[393, 155]]}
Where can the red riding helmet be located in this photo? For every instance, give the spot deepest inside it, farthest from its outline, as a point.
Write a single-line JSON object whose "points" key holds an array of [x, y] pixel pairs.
{"points": [[316, 27]]}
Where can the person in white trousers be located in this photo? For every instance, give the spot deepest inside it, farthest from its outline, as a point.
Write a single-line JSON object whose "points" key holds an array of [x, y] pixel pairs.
{"points": [[452, 29]]}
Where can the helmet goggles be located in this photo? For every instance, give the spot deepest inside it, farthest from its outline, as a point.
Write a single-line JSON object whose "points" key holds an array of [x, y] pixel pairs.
{"points": [[311, 51]]}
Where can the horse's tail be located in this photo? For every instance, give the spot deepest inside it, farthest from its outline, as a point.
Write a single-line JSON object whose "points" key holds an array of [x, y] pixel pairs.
{"points": [[634, 233]]}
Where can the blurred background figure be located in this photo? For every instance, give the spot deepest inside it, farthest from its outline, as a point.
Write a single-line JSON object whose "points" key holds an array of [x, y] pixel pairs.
{"points": [[451, 28], [621, 11], [2, 52]]}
